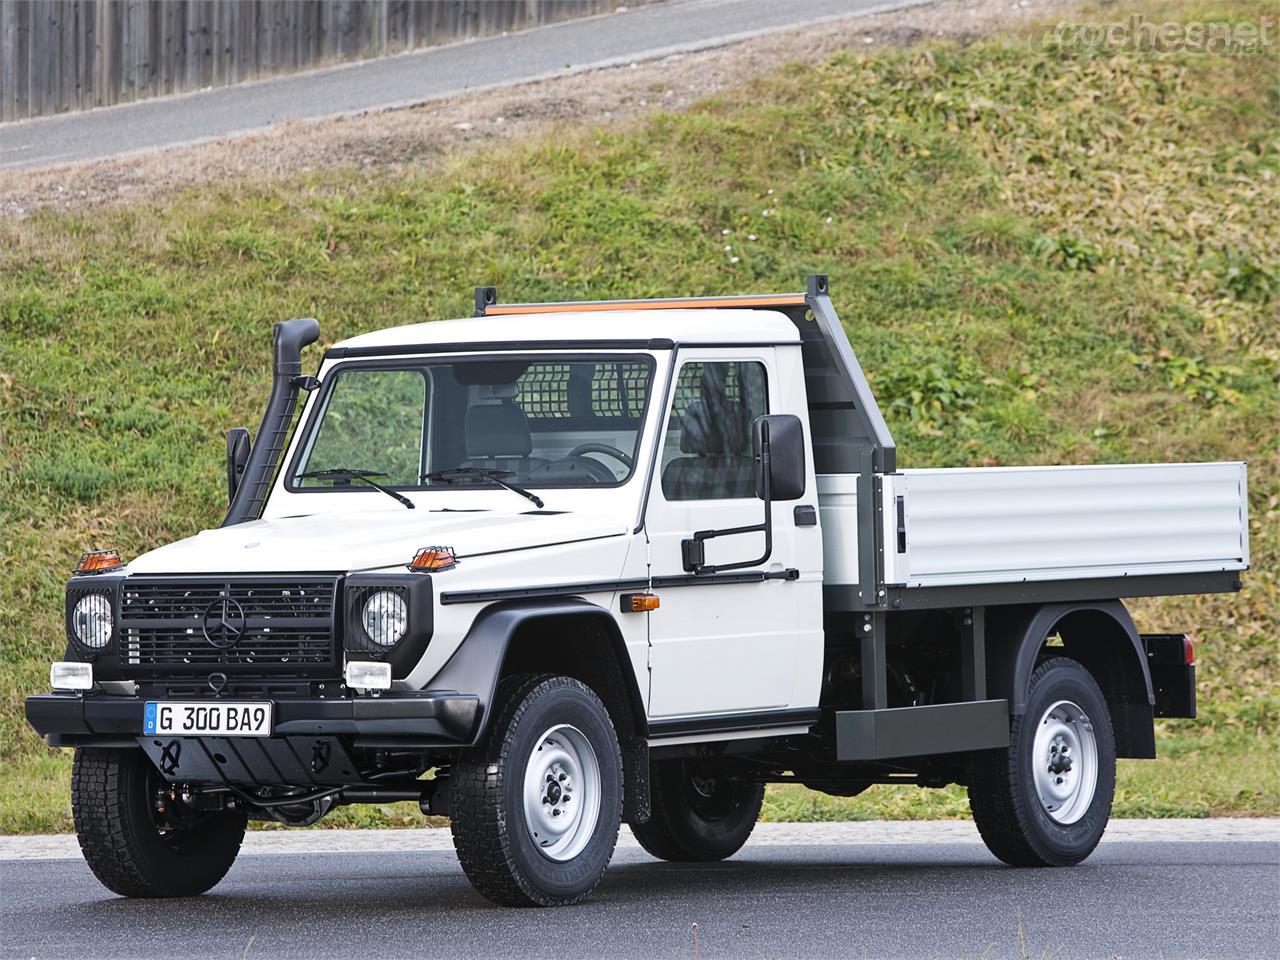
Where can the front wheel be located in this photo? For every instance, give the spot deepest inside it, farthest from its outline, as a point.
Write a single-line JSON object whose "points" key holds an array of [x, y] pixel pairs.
{"points": [[536, 807], [1045, 801], [138, 843], [695, 816]]}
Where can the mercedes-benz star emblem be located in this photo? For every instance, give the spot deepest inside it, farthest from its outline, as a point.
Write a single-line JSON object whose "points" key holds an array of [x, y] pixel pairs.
{"points": [[223, 623]]}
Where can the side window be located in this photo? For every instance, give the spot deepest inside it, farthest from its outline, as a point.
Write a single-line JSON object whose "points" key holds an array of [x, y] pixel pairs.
{"points": [[707, 449], [372, 421]]}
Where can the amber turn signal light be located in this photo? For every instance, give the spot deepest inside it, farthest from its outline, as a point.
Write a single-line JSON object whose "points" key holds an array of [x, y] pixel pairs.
{"points": [[433, 560], [99, 561], [640, 602]]}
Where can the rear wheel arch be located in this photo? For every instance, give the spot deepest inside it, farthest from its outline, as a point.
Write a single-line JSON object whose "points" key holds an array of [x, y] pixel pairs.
{"points": [[1101, 636]]}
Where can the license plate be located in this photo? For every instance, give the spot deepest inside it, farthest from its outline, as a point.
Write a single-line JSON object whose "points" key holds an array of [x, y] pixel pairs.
{"points": [[205, 719]]}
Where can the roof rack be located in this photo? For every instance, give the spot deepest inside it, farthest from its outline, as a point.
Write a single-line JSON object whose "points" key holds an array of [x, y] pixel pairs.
{"points": [[487, 305], [835, 378]]}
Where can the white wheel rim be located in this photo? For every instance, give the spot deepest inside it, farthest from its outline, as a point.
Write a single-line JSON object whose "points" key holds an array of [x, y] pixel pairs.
{"points": [[1065, 761], [562, 792]]}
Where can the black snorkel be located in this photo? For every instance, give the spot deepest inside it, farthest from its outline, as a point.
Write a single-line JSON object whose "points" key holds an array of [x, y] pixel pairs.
{"points": [[254, 479]]}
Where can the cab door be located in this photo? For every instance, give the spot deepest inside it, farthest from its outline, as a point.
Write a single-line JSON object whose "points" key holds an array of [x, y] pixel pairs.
{"points": [[751, 639]]}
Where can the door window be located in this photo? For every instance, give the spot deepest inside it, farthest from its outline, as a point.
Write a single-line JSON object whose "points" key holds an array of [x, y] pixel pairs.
{"points": [[707, 451]]}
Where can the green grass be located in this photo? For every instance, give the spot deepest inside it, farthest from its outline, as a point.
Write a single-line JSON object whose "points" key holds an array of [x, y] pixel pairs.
{"points": [[1041, 256]]}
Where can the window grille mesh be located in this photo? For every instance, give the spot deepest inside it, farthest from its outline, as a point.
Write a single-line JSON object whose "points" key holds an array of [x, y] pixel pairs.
{"points": [[689, 385], [543, 391], [617, 390]]}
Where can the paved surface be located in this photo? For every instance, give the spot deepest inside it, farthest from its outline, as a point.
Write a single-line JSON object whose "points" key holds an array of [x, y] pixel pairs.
{"points": [[644, 33], [801, 896]]}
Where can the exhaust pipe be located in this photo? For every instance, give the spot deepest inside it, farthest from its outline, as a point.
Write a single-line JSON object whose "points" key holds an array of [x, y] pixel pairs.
{"points": [[268, 446]]}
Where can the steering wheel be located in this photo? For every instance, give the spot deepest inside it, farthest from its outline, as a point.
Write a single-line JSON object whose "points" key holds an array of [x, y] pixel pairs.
{"points": [[571, 468], [605, 448]]}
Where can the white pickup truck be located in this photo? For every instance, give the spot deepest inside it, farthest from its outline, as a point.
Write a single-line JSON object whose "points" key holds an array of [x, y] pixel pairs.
{"points": [[561, 566]]}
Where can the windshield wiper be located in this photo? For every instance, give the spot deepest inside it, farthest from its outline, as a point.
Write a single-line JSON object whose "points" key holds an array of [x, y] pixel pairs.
{"points": [[464, 473], [364, 476]]}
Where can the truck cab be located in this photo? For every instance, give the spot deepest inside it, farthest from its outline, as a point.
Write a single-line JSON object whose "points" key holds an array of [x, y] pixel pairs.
{"points": [[561, 566]]}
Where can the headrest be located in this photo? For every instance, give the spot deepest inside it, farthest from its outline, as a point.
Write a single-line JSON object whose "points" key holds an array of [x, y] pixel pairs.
{"points": [[711, 433], [713, 379], [498, 391], [497, 430]]}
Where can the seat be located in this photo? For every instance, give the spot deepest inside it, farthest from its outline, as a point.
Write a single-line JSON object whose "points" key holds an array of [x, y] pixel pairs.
{"points": [[497, 438], [718, 462]]}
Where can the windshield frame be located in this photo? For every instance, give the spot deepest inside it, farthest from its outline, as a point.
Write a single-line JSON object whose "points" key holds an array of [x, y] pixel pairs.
{"points": [[306, 431]]}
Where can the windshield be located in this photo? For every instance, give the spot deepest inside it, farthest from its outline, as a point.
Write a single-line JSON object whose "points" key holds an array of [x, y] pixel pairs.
{"points": [[430, 424]]}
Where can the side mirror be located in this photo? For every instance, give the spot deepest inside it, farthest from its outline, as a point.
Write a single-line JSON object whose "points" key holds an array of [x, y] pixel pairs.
{"points": [[237, 459], [778, 444]]}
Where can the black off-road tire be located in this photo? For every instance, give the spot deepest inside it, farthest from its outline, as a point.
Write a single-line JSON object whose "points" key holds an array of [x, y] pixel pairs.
{"points": [[112, 801], [695, 819], [490, 833], [1015, 825]]}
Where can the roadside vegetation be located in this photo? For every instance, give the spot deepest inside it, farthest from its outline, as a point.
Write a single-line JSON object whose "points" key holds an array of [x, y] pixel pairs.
{"points": [[1043, 255]]}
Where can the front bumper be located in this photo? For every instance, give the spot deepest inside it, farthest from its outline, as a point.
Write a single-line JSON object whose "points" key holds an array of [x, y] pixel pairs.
{"points": [[394, 719]]}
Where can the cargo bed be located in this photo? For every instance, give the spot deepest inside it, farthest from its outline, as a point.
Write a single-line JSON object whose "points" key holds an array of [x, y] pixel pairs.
{"points": [[999, 525]]}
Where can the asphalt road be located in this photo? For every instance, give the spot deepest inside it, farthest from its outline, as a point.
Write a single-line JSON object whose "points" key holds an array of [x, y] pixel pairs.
{"points": [[1131, 899], [639, 34]]}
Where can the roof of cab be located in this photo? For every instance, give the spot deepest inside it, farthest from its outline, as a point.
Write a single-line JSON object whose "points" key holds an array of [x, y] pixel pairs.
{"points": [[684, 326]]}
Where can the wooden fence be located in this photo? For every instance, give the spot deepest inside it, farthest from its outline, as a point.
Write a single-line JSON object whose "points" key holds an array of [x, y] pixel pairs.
{"points": [[60, 55]]}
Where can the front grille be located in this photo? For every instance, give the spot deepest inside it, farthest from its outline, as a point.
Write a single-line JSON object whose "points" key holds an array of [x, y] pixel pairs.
{"points": [[267, 625]]}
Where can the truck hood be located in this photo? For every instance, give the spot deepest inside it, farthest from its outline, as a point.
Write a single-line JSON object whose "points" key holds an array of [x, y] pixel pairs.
{"points": [[367, 540]]}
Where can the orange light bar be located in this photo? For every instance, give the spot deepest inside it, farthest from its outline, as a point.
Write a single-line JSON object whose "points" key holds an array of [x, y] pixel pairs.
{"points": [[640, 602], [99, 561], [675, 303], [433, 560]]}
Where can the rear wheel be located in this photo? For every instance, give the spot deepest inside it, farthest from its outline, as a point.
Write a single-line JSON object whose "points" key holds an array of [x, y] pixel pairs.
{"points": [[137, 842], [1045, 801], [697, 817], [536, 807]]}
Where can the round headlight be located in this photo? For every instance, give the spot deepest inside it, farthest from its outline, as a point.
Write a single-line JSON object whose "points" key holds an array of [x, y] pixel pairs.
{"points": [[91, 621], [385, 618]]}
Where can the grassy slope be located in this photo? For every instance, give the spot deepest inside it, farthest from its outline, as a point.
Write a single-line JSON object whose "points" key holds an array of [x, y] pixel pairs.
{"points": [[1042, 256]]}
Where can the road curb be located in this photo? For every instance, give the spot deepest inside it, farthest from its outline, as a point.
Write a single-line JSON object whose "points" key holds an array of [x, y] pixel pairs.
{"points": [[63, 846]]}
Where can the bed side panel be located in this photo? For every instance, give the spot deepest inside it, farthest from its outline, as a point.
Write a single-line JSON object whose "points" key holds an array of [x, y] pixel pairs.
{"points": [[1000, 525]]}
